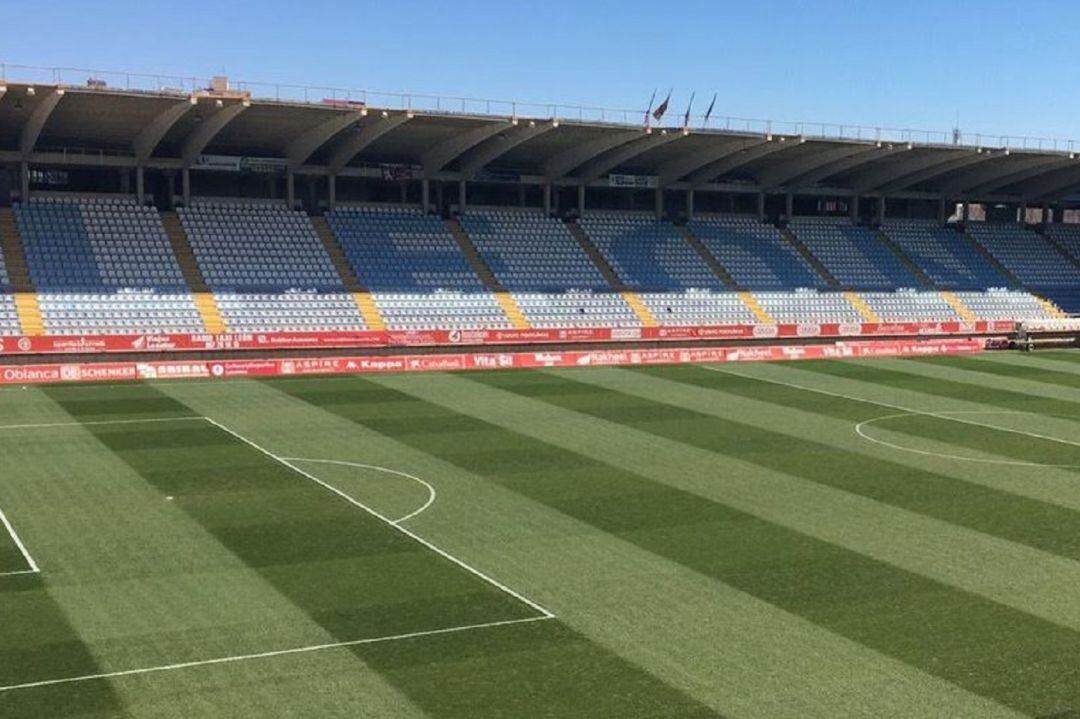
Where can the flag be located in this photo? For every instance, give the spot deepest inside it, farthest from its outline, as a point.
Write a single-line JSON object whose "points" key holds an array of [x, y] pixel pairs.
{"points": [[711, 106], [686, 117], [662, 108], [649, 110]]}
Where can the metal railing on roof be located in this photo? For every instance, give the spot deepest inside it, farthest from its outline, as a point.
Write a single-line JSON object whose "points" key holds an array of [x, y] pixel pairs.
{"points": [[176, 85]]}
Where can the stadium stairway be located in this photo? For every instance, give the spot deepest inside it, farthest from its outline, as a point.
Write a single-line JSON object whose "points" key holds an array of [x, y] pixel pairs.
{"points": [[365, 303], [853, 298], [747, 297], [203, 297], [502, 296], [961, 309], [26, 299], [632, 298]]}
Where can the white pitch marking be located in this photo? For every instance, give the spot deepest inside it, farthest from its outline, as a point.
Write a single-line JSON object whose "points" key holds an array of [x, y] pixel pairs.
{"points": [[908, 410], [22, 547], [50, 425], [266, 655], [490, 580], [377, 468], [859, 430]]}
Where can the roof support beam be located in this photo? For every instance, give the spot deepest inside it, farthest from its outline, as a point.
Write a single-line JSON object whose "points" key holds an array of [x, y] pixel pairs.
{"points": [[568, 160], [1014, 174], [892, 171], [680, 167], [602, 165], [449, 150], [1054, 186], [207, 131], [361, 138], [303, 147], [781, 173], [479, 157], [937, 171], [31, 131], [733, 162], [859, 159], [150, 136]]}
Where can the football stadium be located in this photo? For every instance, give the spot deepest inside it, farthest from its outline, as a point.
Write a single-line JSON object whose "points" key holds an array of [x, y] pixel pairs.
{"points": [[319, 402]]}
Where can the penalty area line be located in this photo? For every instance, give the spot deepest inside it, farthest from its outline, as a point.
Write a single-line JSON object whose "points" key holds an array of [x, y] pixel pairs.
{"points": [[266, 655], [546, 613]]}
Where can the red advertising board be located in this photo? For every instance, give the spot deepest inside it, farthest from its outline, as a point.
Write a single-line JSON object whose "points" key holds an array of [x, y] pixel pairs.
{"points": [[110, 344], [212, 369]]}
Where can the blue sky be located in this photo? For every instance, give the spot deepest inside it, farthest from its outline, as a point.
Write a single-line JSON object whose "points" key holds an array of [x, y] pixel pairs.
{"points": [[1005, 67]]}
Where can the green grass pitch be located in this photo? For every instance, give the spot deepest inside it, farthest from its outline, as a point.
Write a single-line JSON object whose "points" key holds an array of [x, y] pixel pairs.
{"points": [[886, 538]]}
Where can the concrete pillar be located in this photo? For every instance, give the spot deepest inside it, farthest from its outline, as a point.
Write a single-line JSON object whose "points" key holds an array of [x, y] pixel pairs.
{"points": [[689, 204], [1021, 213], [547, 199], [462, 195], [290, 189], [185, 185], [659, 203], [425, 195], [853, 206], [331, 191], [761, 206], [966, 211], [881, 210], [140, 185], [24, 181], [789, 206], [941, 210], [581, 200]]}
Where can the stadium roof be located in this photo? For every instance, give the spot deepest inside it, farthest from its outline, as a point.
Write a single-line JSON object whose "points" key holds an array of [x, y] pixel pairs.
{"points": [[55, 124]]}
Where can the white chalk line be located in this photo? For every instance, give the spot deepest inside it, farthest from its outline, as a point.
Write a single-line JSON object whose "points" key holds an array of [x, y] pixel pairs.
{"points": [[906, 410], [377, 468], [266, 655], [53, 425], [412, 535], [860, 430], [544, 614]]}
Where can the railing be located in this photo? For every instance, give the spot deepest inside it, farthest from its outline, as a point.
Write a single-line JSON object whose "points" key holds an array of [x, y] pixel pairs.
{"points": [[175, 85]]}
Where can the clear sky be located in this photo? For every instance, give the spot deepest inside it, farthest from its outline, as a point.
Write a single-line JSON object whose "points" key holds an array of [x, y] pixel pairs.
{"points": [[1004, 67]]}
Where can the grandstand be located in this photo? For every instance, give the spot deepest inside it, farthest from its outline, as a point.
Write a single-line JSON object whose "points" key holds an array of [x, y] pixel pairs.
{"points": [[434, 220]]}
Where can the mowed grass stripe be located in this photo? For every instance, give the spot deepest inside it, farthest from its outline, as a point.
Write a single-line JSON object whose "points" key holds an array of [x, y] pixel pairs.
{"points": [[695, 420], [977, 390], [357, 577], [36, 639], [1009, 371], [932, 626], [683, 627]]}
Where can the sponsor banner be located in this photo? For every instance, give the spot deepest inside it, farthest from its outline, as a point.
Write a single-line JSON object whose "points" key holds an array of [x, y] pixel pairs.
{"points": [[638, 181], [111, 371], [217, 163], [98, 344]]}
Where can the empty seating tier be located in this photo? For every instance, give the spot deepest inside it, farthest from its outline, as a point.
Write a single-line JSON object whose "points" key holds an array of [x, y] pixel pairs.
{"points": [[654, 259], [1067, 238], [9, 318], [267, 268], [754, 254], [1034, 261], [910, 306], [537, 259], [104, 266], [414, 269], [854, 255], [945, 255]]}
